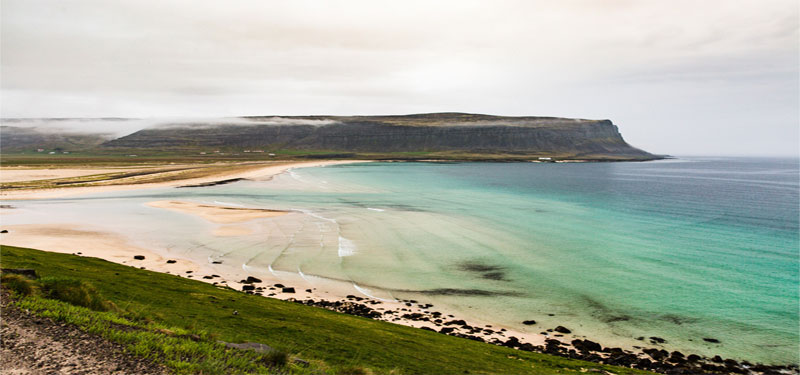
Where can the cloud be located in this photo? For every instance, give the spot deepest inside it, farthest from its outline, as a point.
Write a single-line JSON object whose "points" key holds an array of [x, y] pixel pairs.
{"points": [[202, 58]]}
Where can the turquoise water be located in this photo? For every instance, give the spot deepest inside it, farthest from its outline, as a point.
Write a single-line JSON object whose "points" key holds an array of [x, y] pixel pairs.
{"points": [[681, 249]]}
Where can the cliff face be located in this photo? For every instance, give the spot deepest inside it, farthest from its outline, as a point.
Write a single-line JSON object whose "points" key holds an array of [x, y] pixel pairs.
{"points": [[383, 134]]}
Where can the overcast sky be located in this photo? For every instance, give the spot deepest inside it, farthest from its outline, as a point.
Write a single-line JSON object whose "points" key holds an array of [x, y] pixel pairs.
{"points": [[678, 77]]}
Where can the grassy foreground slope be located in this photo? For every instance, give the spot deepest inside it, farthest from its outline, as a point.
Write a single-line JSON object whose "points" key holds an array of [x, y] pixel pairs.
{"points": [[308, 332]]}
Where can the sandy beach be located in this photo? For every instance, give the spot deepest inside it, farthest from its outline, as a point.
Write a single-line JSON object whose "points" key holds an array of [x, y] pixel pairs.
{"points": [[226, 221], [140, 177]]}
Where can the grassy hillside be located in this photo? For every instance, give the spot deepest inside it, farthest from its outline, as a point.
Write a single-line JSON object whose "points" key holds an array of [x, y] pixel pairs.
{"points": [[307, 332]]}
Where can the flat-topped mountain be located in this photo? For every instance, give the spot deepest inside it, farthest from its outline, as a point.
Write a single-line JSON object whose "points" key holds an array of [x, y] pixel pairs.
{"points": [[438, 133]]}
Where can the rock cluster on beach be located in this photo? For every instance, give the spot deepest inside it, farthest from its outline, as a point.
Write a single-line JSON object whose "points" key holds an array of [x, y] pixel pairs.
{"points": [[422, 316]]}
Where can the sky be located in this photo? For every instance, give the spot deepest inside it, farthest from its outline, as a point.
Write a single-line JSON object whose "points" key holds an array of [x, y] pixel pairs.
{"points": [[711, 77]]}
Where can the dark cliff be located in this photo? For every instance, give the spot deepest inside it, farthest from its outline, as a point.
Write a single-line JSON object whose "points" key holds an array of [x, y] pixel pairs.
{"points": [[442, 132]]}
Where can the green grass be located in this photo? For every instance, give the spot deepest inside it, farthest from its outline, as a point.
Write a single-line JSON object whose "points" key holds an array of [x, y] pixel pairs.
{"points": [[338, 340]]}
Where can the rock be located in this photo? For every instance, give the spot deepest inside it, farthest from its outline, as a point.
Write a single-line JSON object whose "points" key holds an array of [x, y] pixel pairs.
{"points": [[279, 285], [308, 290], [456, 322], [255, 346], [3, 231], [287, 290], [251, 279], [428, 329], [216, 262], [562, 329], [586, 346], [713, 341], [248, 287], [657, 340], [138, 257], [527, 347], [171, 261], [529, 322], [207, 277]]}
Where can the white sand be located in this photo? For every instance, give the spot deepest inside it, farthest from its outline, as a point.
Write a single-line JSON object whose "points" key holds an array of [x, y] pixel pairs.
{"points": [[70, 238], [264, 172], [26, 174], [217, 214]]}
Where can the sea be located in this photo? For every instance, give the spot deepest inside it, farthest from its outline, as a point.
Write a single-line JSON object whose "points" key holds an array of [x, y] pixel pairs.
{"points": [[683, 249]]}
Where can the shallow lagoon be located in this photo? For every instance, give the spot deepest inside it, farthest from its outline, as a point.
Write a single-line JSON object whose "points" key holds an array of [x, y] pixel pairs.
{"points": [[679, 249]]}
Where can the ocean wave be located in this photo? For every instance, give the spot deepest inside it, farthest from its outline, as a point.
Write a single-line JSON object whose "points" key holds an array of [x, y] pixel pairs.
{"points": [[346, 247], [368, 292]]}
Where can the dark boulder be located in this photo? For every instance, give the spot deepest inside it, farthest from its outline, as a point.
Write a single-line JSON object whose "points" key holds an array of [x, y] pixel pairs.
{"points": [[251, 279], [657, 340], [171, 261], [586, 346], [138, 257], [287, 290], [562, 329], [248, 287], [713, 341], [529, 322]]}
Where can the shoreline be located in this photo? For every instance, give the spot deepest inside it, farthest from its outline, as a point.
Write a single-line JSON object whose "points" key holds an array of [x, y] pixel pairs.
{"points": [[259, 171], [116, 248], [418, 314]]}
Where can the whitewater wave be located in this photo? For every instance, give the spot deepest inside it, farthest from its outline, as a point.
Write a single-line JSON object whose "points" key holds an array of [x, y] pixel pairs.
{"points": [[368, 292], [346, 247]]}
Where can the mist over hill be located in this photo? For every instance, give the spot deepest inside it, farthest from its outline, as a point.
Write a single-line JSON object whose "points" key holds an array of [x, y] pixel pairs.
{"points": [[436, 132]]}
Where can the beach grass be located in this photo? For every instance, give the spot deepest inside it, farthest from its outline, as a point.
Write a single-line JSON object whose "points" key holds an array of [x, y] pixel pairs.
{"points": [[337, 342]]}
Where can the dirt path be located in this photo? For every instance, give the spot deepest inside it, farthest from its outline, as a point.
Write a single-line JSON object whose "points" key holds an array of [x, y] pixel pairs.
{"points": [[33, 345]]}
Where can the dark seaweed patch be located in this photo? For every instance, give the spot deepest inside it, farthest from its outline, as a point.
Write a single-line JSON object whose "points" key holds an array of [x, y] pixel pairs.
{"points": [[467, 292]]}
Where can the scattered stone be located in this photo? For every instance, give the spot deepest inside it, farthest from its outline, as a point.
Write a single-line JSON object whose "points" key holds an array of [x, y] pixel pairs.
{"points": [[207, 277], [138, 257], [713, 341], [4, 231], [562, 329], [216, 262], [171, 261], [288, 290], [279, 285], [248, 287], [657, 340], [254, 346], [308, 290], [251, 279], [529, 322]]}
